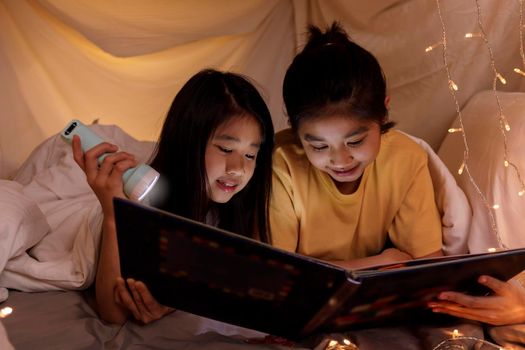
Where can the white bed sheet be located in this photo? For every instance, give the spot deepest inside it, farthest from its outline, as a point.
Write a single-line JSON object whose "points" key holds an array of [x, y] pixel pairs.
{"points": [[65, 320]]}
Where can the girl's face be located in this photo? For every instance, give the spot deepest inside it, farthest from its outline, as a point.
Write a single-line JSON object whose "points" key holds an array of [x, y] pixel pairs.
{"points": [[341, 146], [230, 157]]}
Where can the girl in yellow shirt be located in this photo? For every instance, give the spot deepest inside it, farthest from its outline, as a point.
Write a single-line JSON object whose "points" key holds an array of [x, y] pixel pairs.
{"points": [[345, 186]]}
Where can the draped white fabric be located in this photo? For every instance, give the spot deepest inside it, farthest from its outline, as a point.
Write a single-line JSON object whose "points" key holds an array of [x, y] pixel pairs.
{"points": [[123, 61]]}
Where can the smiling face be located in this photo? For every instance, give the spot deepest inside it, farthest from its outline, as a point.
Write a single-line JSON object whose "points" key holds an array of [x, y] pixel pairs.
{"points": [[340, 146], [231, 155]]}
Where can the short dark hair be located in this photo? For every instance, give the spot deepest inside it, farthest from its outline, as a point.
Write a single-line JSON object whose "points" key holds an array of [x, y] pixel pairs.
{"points": [[334, 75], [209, 99]]}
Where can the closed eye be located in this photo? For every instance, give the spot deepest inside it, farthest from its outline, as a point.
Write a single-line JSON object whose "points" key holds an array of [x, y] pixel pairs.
{"points": [[250, 156], [224, 149], [355, 143], [318, 148]]}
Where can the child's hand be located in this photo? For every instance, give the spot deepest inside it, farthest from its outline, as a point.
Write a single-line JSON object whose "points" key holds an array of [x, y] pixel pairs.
{"points": [[105, 179], [505, 306], [140, 302]]}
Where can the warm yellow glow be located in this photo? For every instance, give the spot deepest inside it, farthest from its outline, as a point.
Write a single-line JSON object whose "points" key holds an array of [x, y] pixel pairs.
{"points": [[455, 334], [460, 170], [506, 164], [519, 71], [452, 85], [472, 35], [452, 130], [520, 193], [491, 250], [495, 206], [501, 79], [6, 311], [433, 46]]}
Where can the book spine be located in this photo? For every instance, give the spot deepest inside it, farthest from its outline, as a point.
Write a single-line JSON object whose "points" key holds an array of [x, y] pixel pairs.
{"points": [[333, 305]]}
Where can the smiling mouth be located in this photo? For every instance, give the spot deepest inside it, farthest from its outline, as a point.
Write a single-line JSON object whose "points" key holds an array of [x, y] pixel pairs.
{"points": [[345, 172], [227, 186]]}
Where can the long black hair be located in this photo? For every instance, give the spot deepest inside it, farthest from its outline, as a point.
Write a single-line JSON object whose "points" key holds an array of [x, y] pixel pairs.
{"points": [[209, 99], [333, 75]]}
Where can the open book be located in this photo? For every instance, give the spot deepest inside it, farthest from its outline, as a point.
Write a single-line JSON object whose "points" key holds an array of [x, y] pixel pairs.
{"points": [[220, 275]]}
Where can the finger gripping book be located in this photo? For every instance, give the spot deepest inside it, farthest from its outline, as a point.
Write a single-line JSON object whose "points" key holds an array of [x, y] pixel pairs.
{"points": [[217, 274]]}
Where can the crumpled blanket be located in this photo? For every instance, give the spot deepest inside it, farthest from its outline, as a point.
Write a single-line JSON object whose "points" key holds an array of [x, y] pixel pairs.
{"points": [[50, 219]]}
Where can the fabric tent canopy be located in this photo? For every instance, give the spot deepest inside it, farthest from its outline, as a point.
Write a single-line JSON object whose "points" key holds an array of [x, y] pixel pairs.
{"points": [[122, 62]]}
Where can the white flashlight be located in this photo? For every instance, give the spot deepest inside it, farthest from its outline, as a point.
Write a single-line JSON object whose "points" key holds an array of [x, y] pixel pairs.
{"points": [[138, 181]]}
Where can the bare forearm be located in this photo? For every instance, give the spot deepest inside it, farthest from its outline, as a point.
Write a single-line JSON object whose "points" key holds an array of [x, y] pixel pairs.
{"points": [[435, 254], [362, 262], [388, 256], [107, 272]]}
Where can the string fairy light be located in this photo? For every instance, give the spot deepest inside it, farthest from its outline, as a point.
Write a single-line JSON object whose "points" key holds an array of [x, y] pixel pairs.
{"points": [[504, 124], [453, 130], [497, 75], [472, 35], [6, 311], [344, 344], [465, 164], [457, 341], [433, 46], [461, 168], [519, 71], [522, 53]]}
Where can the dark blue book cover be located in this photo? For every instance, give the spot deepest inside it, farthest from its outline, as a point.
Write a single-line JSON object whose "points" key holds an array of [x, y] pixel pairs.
{"points": [[217, 274]]}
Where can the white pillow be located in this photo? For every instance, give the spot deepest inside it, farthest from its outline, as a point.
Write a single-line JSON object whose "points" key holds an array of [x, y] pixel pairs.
{"points": [[499, 184]]}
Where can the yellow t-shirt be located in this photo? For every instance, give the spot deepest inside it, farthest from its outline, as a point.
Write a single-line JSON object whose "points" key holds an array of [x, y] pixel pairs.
{"points": [[395, 199]]}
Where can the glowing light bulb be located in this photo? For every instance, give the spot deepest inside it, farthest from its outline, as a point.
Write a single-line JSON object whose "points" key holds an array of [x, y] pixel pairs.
{"points": [[472, 35], [455, 334], [460, 170], [506, 164], [501, 79], [6, 311], [519, 71], [453, 130], [433, 46]]}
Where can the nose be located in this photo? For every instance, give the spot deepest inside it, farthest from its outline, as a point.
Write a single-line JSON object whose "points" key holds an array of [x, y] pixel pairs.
{"points": [[341, 156], [235, 165]]}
